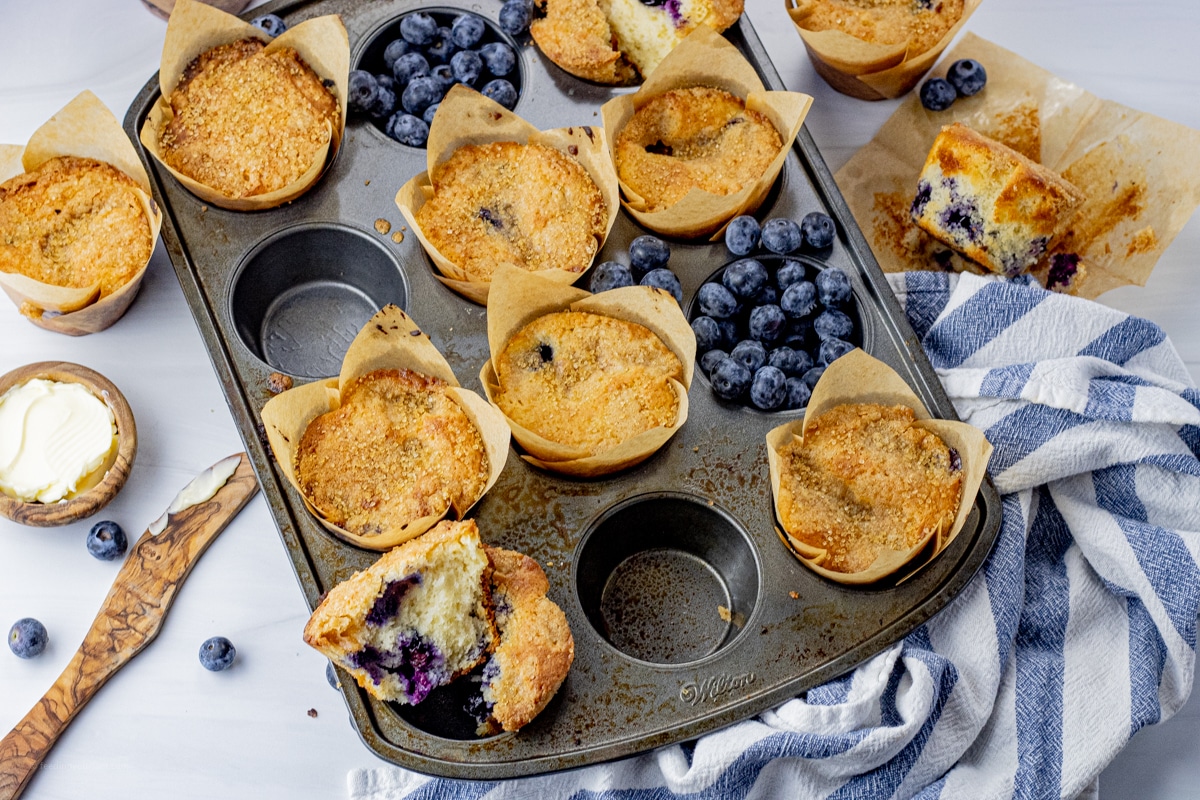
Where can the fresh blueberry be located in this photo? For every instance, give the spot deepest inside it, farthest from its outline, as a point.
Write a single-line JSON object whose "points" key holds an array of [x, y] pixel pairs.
{"points": [[833, 287], [766, 324], [745, 278], [467, 66], [386, 81], [270, 24], [833, 349], [789, 361], [730, 335], [395, 49], [384, 105], [646, 253], [730, 378], [420, 94], [419, 29], [937, 94], [467, 30], [798, 393], [708, 333], [811, 377], [442, 48], [789, 273], [799, 299], [610, 275], [428, 114], [666, 280], [967, 76], [444, 75], [106, 541], [709, 360], [331, 676], [749, 352], [833, 324], [501, 91], [361, 88], [781, 235], [217, 654], [768, 390], [742, 235], [515, 16], [27, 638], [716, 301], [499, 58], [767, 296], [409, 66], [408, 129], [817, 230]]}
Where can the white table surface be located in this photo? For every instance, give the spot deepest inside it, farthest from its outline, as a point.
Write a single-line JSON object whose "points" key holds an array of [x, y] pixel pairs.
{"points": [[164, 726]]}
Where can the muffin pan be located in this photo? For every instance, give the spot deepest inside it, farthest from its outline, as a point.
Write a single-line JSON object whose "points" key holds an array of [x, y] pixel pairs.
{"points": [[688, 613]]}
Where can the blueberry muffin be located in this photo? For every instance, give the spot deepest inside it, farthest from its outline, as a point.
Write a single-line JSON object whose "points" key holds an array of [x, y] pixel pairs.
{"points": [[415, 619], [989, 202], [528, 205], [74, 222], [865, 479], [399, 448], [921, 23], [698, 138], [248, 121], [586, 380]]}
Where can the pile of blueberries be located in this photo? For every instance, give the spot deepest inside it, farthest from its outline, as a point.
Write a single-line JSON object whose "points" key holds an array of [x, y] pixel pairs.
{"points": [[648, 257], [964, 78], [767, 325], [434, 51]]}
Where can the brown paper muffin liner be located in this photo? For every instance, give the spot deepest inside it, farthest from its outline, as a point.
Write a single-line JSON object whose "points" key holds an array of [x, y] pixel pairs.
{"points": [[83, 128], [868, 70], [519, 297], [860, 378], [195, 28], [389, 340], [467, 117], [706, 59]]}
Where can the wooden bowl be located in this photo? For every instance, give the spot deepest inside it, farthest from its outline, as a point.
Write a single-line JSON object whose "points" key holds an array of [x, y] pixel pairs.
{"points": [[116, 470]]}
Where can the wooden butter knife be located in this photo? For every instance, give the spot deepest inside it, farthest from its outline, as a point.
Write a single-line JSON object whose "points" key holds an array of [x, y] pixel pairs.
{"points": [[132, 613]]}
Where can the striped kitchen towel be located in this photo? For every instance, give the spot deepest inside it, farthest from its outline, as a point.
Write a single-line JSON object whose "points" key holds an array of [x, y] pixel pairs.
{"points": [[1079, 631]]}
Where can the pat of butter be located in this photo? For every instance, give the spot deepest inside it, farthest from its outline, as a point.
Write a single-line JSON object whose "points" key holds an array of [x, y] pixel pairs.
{"points": [[52, 436]]}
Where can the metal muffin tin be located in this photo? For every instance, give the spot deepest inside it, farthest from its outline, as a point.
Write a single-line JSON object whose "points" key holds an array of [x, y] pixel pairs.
{"points": [[640, 561]]}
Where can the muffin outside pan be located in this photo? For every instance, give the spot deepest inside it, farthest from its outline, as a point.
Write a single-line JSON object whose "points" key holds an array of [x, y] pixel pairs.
{"points": [[389, 340], [466, 117], [84, 128], [102, 484], [195, 28]]}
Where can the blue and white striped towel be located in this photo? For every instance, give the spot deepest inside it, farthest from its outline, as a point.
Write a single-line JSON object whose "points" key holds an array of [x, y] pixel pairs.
{"points": [[1079, 631]]}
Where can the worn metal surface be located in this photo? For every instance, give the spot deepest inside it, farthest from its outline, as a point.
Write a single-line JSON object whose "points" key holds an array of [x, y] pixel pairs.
{"points": [[689, 530]]}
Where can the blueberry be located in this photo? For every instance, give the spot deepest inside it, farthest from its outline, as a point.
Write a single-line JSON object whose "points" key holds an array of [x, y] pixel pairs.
{"points": [[833, 349], [767, 296], [799, 299], [408, 129], [817, 230], [610, 275], [730, 378], [789, 361], [708, 333], [270, 24], [106, 541], [442, 48], [745, 278], [709, 360], [384, 105], [386, 81], [766, 324], [444, 75], [419, 29], [395, 49], [467, 66], [768, 390], [716, 301], [361, 89], [501, 91], [499, 58], [781, 235], [647, 253], [515, 16], [331, 675], [742, 235], [409, 66], [467, 30], [798, 393], [749, 352], [937, 94], [666, 280], [217, 654], [967, 76], [730, 335], [811, 377], [27, 638], [833, 324], [428, 114], [789, 273], [421, 94]]}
